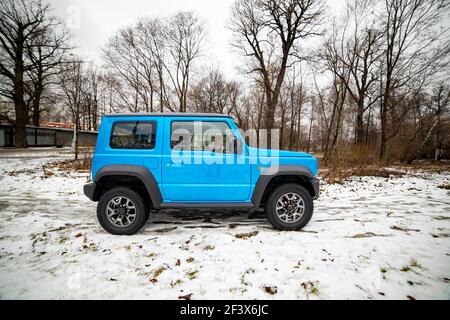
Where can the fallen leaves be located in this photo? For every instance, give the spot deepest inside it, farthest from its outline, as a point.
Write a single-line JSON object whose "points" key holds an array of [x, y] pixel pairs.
{"points": [[176, 283], [311, 287], [186, 297], [246, 235], [191, 274], [209, 247], [158, 271], [90, 247], [271, 290], [165, 230]]}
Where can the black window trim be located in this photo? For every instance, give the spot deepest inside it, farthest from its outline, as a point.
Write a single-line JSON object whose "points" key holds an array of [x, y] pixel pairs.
{"points": [[153, 122]]}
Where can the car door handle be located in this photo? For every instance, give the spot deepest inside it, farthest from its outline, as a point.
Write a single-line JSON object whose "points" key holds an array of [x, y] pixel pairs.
{"points": [[176, 165]]}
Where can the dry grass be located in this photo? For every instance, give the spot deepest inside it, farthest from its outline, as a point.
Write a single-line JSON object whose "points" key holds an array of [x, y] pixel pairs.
{"points": [[364, 161], [350, 157], [82, 164], [341, 174], [431, 166], [74, 165]]}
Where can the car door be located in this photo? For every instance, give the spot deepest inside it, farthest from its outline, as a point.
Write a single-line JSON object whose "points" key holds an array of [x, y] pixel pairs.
{"points": [[199, 164]]}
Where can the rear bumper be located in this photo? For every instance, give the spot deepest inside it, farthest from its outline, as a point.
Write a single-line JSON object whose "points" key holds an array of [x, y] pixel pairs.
{"points": [[316, 186], [88, 190]]}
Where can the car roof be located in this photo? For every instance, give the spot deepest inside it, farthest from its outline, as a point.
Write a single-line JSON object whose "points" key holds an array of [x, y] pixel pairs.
{"points": [[166, 114]]}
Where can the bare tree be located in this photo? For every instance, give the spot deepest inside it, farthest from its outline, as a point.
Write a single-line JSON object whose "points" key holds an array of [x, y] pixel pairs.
{"points": [[71, 82], [153, 55], [91, 97], [151, 37], [185, 35], [213, 93], [133, 67], [438, 105], [411, 56], [46, 50], [20, 21], [355, 43], [269, 33]]}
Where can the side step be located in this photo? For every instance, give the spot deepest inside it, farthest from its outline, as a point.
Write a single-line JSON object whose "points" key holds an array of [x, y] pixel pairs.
{"points": [[206, 205]]}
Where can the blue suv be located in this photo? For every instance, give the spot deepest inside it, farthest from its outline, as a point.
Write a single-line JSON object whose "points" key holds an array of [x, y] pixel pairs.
{"points": [[154, 161]]}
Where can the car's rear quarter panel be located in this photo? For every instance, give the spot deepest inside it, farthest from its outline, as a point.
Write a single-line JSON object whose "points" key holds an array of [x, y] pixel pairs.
{"points": [[105, 155]]}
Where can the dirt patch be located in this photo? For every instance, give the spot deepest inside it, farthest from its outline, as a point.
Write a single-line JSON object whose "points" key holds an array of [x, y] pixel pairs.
{"points": [[165, 230], [368, 235], [404, 229]]}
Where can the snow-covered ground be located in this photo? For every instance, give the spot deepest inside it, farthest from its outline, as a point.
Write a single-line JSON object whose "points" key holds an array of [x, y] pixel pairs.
{"points": [[370, 238]]}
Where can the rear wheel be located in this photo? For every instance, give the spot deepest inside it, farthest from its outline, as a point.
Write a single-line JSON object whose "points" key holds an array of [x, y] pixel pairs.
{"points": [[289, 207], [122, 211]]}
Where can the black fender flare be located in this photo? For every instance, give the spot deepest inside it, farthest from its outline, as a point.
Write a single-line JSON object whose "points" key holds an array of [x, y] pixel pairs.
{"points": [[140, 172], [279, 170]]}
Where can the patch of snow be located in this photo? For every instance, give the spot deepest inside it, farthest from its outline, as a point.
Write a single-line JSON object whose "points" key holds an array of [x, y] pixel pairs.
{"points": [[369, 238]]}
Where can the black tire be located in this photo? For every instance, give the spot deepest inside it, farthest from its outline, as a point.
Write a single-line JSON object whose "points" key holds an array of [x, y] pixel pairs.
{"points": [[141, 210], [270, 207]]}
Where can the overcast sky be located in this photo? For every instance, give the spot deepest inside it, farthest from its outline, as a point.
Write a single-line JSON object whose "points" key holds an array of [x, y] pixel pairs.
{"points": [[93, 22]]}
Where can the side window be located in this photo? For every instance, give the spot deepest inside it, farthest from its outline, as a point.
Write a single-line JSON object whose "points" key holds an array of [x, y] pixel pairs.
{"points": [[133, 135], [214, 136]]}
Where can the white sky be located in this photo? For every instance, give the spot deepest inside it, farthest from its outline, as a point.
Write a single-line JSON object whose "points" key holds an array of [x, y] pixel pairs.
{"points": [[93, 22]]}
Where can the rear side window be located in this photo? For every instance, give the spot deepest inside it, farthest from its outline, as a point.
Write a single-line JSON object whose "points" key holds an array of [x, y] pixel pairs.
{"points": [[133, 135]]}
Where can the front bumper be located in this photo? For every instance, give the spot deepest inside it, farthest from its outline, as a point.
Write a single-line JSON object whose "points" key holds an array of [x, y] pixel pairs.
{"points": [[316, 186], [88, 190]]}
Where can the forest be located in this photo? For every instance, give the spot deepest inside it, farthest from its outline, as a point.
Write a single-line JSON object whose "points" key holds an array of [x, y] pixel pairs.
{"points": [[366, 85]]}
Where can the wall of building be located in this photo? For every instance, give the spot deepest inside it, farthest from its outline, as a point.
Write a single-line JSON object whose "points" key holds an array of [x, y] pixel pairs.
{"points": [[46, 137]]}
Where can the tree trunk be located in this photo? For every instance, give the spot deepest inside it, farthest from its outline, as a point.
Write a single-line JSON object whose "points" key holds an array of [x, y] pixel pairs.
{"points": [[282, 126], [20, 127], [299, 127], [76, 129], [384, 135], [19, 102], [36, 109], [310, 128], [360, 123], [270, 118], [161, 88], [75, 141]]}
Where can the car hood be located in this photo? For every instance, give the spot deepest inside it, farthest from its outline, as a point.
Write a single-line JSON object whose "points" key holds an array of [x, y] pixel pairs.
{"points": [[278, 153]]}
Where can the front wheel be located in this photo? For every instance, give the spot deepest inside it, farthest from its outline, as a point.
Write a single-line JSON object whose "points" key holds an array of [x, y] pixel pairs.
{"points": [[122, 211], [289, 207]]}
